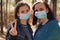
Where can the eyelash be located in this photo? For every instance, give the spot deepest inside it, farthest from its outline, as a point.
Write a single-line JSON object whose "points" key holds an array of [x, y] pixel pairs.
{"points": [[23, 11], [39, 10], [27, 10]]}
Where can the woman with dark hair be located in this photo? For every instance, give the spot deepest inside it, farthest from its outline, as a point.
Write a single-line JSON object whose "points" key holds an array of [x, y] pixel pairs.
{"points": [[20, 28], [47, 28]]}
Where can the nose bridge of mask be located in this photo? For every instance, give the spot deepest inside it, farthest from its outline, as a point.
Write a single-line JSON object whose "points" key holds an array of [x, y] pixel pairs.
{"points": [[25, 16], [40, 14]]}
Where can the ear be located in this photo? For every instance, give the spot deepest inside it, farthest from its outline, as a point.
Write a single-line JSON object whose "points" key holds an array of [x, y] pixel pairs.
{"points": [[17, 14]]}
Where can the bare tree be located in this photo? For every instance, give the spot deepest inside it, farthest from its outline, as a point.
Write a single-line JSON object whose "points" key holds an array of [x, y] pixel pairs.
{"points": [[54, 7], [1, 18]]}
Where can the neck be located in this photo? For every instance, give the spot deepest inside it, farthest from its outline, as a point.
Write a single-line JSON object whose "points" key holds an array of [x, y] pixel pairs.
{"points": [[44, 21], [24, 22]]}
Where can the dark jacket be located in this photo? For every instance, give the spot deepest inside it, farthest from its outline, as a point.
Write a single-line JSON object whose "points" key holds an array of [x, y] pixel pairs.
{"points": [[49, 31], [24, 33]]}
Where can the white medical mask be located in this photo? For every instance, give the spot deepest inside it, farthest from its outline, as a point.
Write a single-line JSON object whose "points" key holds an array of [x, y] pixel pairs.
{"points": [[40, 14], [23, 16]]}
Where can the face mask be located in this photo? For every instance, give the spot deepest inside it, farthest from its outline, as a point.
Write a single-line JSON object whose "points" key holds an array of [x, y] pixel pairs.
{"points": [[25, 16], [40, 14]]}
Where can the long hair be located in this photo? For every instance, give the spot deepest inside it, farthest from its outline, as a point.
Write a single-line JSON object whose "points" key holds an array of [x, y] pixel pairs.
{"points": [[50, 14]]}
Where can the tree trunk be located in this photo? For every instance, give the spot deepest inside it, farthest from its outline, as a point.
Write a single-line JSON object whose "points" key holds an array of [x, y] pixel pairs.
{"points": [[1, 18], [54, 7]]}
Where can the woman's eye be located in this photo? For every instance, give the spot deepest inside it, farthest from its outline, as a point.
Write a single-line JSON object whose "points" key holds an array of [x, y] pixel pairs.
{"points": [[27, 10], [22, 11], [41, 9]]}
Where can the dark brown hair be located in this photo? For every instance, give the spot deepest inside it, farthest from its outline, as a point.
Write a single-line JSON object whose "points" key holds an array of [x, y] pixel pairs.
{"points": [[50, 14]]}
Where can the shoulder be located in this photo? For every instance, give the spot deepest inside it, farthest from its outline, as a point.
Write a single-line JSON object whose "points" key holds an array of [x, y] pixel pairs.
{"points": [[53, 22]]}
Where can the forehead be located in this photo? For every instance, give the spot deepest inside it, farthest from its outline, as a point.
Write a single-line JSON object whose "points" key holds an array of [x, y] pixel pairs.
{"points": [[24, 7], [39, 5]]}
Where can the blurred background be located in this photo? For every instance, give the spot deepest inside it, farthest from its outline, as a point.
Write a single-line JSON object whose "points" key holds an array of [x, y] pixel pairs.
{"points": [[7, 12]]}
